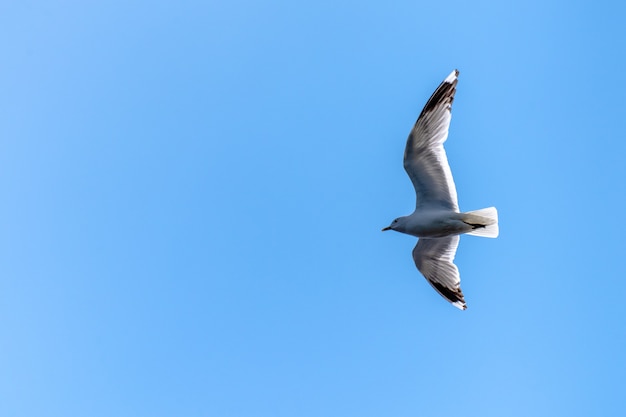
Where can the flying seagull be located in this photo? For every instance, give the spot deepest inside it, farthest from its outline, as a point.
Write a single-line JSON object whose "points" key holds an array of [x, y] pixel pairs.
{"points": [[437, 221]]}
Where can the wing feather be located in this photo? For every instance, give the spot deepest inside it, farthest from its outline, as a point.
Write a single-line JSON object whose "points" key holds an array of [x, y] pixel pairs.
{"points": [[434, 259], [425, 159]]}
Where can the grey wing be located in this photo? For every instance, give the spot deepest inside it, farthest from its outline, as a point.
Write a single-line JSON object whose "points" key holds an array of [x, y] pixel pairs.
{"points": [[434, 259], [424, 157]]}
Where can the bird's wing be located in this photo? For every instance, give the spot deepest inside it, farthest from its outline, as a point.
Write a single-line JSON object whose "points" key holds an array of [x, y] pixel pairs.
{"points": [[424, 157], [434, 259]]}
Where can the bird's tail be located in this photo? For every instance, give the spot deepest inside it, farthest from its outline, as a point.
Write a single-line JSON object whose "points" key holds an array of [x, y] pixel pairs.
{"points": [[483, 221]]}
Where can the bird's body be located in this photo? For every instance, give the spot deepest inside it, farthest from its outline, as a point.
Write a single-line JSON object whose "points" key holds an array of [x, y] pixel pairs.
{"points": [[433, 224], [437, 221]]}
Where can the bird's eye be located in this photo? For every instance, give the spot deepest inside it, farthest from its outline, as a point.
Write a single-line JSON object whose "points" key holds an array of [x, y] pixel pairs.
{"points": [[395, 221]]}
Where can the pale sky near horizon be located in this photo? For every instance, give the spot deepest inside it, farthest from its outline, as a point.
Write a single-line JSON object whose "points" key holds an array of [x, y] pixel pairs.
{"points": [[193, 194]]}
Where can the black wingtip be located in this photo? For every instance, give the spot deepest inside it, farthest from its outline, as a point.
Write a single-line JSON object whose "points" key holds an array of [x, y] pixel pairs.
{"points": [[443, 94], [454, 296]]}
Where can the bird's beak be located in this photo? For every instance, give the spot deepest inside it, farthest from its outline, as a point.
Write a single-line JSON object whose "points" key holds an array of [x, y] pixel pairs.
{"points": [[386, 228]]}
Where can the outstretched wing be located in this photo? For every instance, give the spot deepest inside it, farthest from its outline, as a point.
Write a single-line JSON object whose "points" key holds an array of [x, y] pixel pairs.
{"points": [[434, 259], [424, 157]]}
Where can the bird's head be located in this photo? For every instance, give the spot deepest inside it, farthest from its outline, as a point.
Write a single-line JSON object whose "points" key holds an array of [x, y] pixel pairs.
{"points": [[398, 225]]}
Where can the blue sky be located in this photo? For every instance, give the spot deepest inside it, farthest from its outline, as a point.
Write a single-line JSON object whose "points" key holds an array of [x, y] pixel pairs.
{"points": [[193, 194]]}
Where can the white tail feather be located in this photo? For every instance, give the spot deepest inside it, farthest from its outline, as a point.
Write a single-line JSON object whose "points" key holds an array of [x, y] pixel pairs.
{"points": [[487, 217]]}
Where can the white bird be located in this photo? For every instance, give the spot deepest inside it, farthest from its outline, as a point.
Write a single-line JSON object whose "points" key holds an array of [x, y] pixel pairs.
{"points": [[436, 220]]}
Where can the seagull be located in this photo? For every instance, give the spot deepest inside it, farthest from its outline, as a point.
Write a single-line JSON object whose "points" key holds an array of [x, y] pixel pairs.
{"points": [[437, 221]]}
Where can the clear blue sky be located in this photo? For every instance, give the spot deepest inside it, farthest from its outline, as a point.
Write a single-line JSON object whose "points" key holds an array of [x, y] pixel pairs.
{"points": [[193, 192]]}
